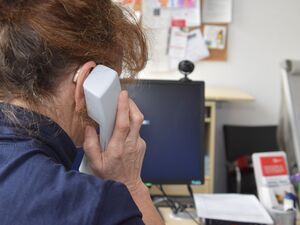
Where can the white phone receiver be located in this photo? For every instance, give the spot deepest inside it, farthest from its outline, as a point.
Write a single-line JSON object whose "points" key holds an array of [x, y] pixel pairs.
{"points": [[101, 89]]}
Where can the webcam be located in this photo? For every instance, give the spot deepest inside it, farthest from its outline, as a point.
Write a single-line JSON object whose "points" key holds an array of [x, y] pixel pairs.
{"points": [[186, 67]]}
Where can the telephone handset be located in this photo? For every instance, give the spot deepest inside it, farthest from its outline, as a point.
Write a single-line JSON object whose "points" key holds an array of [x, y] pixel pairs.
{"points": [[101, 89]]}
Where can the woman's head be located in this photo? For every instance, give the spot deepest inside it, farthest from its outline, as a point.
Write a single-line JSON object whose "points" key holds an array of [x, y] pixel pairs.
{"points": [[42, 43]]}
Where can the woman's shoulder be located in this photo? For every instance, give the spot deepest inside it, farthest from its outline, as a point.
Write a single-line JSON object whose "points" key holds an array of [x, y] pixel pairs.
{"points": [[36, 188]]}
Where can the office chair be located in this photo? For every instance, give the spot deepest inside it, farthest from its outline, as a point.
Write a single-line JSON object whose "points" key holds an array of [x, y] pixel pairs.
{"points": [[240, 143]]}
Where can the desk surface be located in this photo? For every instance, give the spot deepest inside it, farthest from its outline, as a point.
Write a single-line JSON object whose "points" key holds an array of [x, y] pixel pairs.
{"points": [[219, 93]]}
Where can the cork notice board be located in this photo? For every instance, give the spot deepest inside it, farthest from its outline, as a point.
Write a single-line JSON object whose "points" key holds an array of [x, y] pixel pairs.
{"points": [[144, 7]]}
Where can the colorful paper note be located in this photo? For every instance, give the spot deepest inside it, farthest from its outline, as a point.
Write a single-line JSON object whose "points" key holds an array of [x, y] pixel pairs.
{"points": [[178, 3]]}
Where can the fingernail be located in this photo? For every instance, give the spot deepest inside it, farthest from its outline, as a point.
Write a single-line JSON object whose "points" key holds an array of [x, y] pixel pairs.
{"points": [[125, 93]]}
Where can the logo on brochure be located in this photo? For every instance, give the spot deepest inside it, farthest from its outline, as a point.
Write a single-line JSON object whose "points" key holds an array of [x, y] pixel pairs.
{"points": [[273, 166]]}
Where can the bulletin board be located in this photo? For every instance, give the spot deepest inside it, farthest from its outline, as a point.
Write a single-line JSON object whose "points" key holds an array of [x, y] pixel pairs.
{"points": [[215, 54]]}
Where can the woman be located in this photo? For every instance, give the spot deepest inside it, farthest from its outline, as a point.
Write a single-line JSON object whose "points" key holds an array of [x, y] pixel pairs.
{"points": [[43, 45]]}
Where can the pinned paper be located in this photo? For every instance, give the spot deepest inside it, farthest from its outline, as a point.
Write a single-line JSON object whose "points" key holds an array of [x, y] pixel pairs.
{"points": [[177, 46], [196, 48], [217, 11], [178, 3], [192, 47], [158, 57], [215, 36], [154, 17], [191, 15], [178, 43]]}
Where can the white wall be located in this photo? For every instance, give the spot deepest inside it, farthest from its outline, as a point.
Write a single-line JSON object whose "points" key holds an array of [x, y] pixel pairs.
{"points": [[263, 33]]}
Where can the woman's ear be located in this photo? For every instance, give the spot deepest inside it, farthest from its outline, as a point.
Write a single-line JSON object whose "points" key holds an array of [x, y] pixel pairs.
{"points": [[79, 78]]}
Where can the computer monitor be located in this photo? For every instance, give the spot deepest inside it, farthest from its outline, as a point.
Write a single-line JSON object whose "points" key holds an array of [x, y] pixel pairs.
{"points": [[173, 129]]}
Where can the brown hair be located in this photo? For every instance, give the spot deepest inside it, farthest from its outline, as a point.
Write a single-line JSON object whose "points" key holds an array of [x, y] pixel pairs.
{"points": [[40, 39]]}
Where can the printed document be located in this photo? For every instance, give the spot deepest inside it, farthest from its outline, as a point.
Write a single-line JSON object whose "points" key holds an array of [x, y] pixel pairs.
{"points": [[231, 207]]}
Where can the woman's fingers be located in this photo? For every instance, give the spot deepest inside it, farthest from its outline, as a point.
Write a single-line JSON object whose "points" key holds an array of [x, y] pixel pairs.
{"points": [[136, 120], [122, 125], [141, 145], [91, 145]]}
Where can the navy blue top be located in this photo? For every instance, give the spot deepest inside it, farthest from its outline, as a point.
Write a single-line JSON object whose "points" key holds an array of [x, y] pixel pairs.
{"points": [[37, 185]]}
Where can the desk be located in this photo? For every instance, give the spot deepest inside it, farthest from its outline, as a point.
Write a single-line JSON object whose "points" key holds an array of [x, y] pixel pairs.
{"points": [[213, 95], [219, 93]]}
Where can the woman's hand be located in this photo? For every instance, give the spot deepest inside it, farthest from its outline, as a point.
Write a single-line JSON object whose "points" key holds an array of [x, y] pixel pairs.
{"points": [[123, 158]]}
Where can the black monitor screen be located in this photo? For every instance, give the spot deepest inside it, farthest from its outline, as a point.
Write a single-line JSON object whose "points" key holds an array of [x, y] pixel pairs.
{"points": [[173, 130]]}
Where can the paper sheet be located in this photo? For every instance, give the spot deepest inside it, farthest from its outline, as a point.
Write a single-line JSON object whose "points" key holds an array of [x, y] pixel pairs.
{"points": [[154, 17], [178, 3], [231, 207], [196, 48], [177, 46], [191, 15], [192, 47], [215, 36], [157, 22], [158, 57], [217, 11], [178, 43]]}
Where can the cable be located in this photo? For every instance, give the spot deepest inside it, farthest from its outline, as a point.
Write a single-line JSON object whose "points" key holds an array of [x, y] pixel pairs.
{"points": [[192, 217], [169, 201], [177, 206], [190, 190], [189, 187]]}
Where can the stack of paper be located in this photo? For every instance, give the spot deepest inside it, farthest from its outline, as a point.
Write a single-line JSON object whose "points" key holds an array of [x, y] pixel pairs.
{"points": [[231, 207]]}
